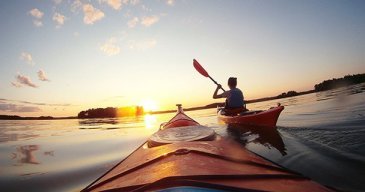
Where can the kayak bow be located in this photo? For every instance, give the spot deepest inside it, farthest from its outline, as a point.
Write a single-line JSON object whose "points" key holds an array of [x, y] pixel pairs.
{"points": [[186, 156], [267, 118]]}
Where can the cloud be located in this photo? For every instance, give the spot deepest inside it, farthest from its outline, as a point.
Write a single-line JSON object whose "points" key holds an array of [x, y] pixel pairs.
{"points": [[33, 103], [133, 22], [115, 4], [23, 80], [37, 23], [37, 14], [170, 2], [17, 108], [27, 57], [76, 5], [91, 14], [118, 4], [148, 21], [142, 45], [16, 84], [59, 19], [42, 75], [110, 47]]}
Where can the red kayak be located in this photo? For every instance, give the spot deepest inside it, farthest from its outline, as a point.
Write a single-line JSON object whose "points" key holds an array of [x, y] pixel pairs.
{"points": [[267, 118], [186, 156]]}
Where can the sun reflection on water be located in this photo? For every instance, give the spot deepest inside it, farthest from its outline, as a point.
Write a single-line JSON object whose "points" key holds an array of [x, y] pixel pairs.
{"points": [[150, 121]]}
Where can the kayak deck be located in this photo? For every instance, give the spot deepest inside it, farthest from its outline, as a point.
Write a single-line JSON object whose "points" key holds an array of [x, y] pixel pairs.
{"points": [[183, 155], [179, 120], [221, 164], [179, 134]]}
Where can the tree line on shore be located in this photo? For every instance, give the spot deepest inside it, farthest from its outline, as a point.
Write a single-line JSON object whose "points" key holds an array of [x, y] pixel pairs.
{"points": [[340, 82], [111, 112], [328, 85], [16, 117]]}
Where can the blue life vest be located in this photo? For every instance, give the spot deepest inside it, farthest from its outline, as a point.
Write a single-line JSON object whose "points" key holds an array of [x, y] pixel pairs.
{"points": [[235, 99]]}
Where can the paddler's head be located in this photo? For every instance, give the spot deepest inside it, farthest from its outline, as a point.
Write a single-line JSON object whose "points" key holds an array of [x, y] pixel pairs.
{"points": [[232, 82]]}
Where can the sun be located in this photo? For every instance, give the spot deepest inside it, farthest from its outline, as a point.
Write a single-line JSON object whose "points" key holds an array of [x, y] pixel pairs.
{"points": [[149, 105]]}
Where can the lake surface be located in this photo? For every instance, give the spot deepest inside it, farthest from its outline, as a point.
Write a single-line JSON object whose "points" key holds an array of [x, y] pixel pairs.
{"points": [[320, 135]]}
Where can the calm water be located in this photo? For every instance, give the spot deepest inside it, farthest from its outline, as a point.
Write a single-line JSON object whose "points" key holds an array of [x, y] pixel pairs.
{"points": [[320, 135]]}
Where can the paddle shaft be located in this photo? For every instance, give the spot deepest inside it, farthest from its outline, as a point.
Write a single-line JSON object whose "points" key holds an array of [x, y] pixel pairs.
{"points": [[215, 82]]}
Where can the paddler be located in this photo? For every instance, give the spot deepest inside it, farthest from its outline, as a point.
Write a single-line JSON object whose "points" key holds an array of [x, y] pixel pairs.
{"points": [[234, 97]]}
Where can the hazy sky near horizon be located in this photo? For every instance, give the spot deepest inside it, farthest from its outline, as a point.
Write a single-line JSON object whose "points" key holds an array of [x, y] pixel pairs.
{"points": [[62, 56]]}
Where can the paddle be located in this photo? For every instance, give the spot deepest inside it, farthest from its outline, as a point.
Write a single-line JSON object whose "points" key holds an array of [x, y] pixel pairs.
{"points": [[203, 72]]}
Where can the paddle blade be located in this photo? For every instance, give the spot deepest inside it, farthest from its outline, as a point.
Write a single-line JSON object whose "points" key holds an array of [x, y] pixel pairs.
{"points": [[200, 69]]}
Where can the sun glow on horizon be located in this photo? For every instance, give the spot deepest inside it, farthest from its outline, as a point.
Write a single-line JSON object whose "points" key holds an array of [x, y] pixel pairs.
{"points": [[149, 105]]}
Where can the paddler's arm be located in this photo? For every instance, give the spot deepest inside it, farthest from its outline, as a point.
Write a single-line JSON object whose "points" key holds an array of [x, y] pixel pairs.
{"points": [[222, 95]]}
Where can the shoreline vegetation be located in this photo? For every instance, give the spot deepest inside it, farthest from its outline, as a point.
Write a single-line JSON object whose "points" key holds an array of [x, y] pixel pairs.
{"points": [[113, 112]]}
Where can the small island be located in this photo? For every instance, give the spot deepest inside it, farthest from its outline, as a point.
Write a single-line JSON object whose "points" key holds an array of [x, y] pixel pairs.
{"points": [[112, 112]]}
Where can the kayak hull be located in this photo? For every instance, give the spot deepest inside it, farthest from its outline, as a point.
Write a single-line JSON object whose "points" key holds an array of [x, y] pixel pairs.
{"points": [[266, 118], [209, 163]]}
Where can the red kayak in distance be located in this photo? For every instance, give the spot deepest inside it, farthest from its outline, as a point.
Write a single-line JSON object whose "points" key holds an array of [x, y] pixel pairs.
{"points": [[266, 118], [186, 156]]}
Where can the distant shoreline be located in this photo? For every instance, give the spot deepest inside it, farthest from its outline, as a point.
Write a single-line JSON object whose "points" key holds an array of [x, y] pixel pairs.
{"points": [[324, 86], [16, 117], [209, 106], [214, 105]]}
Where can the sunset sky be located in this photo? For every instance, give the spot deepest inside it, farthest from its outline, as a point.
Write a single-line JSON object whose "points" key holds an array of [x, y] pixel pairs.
{"points": [[62, 56]]}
